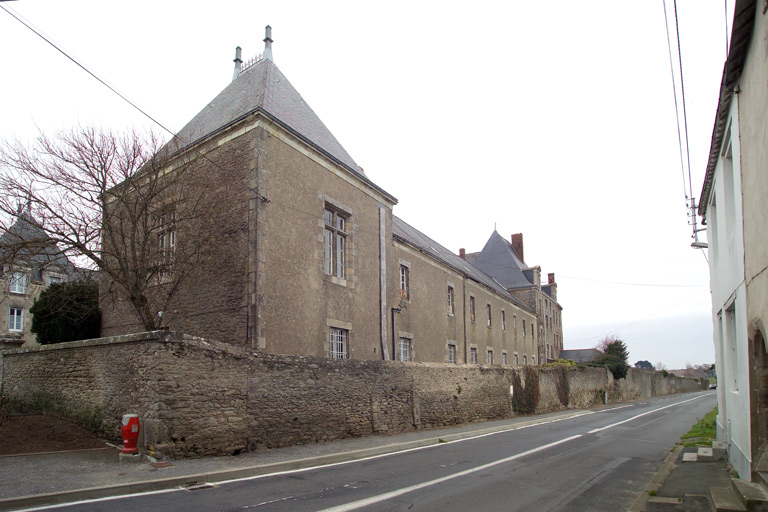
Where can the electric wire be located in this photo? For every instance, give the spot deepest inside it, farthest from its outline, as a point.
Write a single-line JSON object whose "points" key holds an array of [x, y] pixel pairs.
{"points": [[81, 66], [120, 95], [682, 92], [677, 108]]}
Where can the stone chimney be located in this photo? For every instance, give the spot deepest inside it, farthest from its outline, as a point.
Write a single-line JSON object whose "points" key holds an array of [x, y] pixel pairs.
{"points": [[238, 63], [551, 278], [517, 245], [268, 43], [462, 254]]}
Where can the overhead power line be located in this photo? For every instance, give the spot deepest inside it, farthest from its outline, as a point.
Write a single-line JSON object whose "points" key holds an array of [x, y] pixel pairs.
{"points": [[81, 66]]}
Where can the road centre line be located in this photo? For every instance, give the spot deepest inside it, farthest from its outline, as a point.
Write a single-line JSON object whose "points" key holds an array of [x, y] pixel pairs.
{"points": [[393, 494], [643, 414]]}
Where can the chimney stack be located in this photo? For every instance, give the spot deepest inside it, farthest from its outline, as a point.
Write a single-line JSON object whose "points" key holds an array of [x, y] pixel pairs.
{"points": [[462, 254], [238, 63], [268, 43], [517, 245], [551, 278]]}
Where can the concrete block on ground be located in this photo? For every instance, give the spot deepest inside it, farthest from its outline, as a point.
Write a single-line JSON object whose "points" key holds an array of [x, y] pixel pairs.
{"points": [[130, 458], [752, 494], [725, 499]]}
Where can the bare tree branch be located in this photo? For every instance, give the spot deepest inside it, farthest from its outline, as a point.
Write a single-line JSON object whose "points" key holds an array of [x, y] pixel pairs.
{"points": [[115, 201]]}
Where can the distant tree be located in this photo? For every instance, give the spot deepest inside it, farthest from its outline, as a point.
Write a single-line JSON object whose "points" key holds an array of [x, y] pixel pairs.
{"points": [[645, 365], [615, 355], [660, 366], [67, 312]]}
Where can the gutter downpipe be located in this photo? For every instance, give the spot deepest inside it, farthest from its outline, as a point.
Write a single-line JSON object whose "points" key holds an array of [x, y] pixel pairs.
{"points": [[394, 343], [464, 314]]}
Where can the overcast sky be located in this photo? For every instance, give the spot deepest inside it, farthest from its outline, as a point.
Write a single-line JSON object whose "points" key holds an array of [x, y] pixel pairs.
{"points": [[552, 119]]}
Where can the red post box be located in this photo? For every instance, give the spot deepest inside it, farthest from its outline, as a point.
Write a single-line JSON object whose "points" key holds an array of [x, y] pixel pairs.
{"points": [[130, 431]]}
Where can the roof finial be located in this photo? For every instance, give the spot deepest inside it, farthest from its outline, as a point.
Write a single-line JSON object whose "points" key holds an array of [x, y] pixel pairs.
{"points": [[238, 63], [268, 43]]}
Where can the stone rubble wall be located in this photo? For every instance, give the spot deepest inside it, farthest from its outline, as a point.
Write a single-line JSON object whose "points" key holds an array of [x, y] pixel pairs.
{"points": [[198, 397]]}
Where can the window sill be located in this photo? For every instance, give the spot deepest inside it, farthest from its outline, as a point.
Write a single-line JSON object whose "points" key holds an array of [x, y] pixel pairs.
{"points": [[336, 280]]}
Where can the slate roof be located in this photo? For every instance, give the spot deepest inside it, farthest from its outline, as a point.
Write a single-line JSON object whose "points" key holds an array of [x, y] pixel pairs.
{"points": [[497, 259], [417, 239], [25, 240], [582, 355]]}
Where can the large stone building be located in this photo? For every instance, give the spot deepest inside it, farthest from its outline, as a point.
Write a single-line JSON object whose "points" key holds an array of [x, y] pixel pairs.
{"points": [[504, 262], [732, 204], [309, 257], [33, 265]]}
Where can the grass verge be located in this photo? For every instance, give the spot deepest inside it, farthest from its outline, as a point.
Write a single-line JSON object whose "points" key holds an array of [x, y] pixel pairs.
{"points": [[703, 432]]}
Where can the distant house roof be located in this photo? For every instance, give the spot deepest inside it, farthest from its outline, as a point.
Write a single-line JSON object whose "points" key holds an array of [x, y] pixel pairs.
{"points": [[581, 355], [497, 259], [27, 242], [410, 235], [262, 87]]}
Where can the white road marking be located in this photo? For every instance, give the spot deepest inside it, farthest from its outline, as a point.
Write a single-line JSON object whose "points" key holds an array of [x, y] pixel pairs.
{"points": [[643, 414], [393, 494]]}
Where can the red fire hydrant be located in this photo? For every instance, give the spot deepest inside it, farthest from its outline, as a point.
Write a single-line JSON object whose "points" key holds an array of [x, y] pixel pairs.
{"points": [[130, 431]]}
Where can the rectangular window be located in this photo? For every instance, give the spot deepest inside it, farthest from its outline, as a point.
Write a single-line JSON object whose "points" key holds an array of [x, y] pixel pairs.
{"points": [[504, 358], [523, 327], [525, 360], [338, 347], [503, 320], [15, 319], [451, 308], [405, 349], [488, 311], [473, 355], [451, 357], [335, 242], [19, 282], [489, 356], [166, 242], [515, 359], [405, 282], [471, 308]]}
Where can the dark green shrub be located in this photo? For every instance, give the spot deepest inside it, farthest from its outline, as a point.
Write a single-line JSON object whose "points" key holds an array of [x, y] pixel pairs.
{"points": [[67, 312]]}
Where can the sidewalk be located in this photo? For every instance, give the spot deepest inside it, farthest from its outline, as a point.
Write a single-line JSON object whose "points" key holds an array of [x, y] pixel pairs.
{"points": [[62, 477], [691, 479]]}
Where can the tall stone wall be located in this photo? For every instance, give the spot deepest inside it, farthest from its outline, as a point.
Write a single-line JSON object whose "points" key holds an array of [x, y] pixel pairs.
{"points": [[198, 397]]}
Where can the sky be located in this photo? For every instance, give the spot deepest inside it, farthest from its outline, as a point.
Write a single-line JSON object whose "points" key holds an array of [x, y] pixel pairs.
{"points": [[552, 119]]}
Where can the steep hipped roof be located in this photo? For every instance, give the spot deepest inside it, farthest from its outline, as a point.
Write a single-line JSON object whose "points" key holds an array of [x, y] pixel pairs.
{"points": [[263, 87], [412, 236], [25, 241], [260, 87], [497, 259]]}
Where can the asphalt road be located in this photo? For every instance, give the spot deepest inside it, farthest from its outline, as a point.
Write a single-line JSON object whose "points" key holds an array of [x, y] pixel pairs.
{"points": [[598, 461]]}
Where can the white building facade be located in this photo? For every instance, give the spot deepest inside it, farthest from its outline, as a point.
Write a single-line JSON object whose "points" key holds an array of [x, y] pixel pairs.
{"points": [[733, 207]]}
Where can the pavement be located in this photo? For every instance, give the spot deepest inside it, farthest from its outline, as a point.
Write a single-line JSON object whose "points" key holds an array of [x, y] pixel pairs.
{"points": [[686, 480], [62, 477]]}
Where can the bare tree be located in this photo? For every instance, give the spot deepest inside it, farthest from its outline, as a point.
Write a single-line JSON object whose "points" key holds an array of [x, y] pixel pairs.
{"points": [[115, 201]]}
